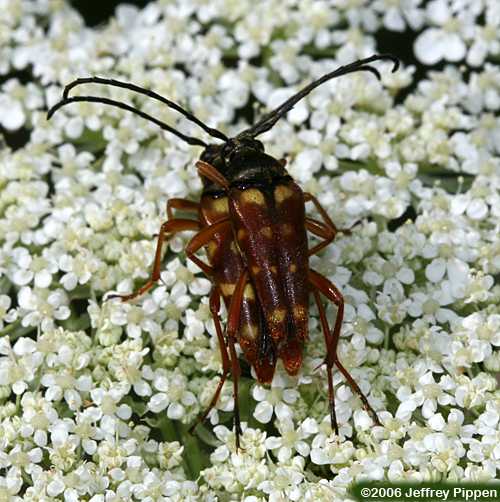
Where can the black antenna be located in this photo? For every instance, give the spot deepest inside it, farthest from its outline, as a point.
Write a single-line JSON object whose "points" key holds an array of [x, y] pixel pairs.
{"points": [[268, 121], [94, 99], [140, 90]]}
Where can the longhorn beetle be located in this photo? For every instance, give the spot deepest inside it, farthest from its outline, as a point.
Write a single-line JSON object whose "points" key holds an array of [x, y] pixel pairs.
{"points": [[251, 218]]}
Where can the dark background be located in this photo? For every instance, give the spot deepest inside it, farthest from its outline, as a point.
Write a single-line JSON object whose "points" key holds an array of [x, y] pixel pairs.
{"points": [[96, 13]]}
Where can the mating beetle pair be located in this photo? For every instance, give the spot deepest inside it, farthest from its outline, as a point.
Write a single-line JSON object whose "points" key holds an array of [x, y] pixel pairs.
{"points": [[251, 218]]}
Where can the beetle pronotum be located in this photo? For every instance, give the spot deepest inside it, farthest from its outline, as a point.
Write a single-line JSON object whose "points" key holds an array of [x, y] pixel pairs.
{"points": [[251, 218]]}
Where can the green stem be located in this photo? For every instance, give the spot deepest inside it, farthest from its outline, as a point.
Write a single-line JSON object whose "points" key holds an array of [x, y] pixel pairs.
{"points": [[9, 328], [386, 338], [14, 336]]}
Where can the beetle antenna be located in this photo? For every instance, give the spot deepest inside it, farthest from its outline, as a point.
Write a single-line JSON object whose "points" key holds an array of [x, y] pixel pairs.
{"points": [[141, 90], [95, 99], [268, 121]]}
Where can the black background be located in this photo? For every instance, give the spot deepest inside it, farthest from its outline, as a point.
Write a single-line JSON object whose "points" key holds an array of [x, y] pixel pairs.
{"points": [[96, 13]]}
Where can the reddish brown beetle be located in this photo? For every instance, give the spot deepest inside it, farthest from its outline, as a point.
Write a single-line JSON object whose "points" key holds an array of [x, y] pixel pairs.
{"points": [[251, 218]]}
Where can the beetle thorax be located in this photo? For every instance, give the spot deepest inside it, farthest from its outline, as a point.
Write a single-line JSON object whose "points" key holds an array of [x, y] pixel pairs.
{"points": [[243, 162]]}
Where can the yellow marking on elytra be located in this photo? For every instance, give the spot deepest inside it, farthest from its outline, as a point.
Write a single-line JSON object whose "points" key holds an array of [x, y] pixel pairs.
{"points": [[242, 233], [266, 232], [248, 292], [227, 288], [286, 229], [220, 205], [255, 269], [282, 192], [273, 269], [299, 312], [292, 268], [277, 316], [252, 195], [233, 247], [249, 331]]}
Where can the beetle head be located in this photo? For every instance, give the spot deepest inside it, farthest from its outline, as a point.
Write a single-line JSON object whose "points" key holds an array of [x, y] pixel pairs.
{"points": [[224, 156], [212, 154], [240, 146]]}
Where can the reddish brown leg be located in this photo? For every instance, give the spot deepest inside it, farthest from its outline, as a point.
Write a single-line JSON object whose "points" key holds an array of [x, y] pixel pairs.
{"points": [[202, 238], [210, 172], [320, 230], [326, 219], [182, 204], [226, 364], [326, 334], [169, 227], [328, 289], [233, 322], [310, 197], [325, 229], [229, 362]]}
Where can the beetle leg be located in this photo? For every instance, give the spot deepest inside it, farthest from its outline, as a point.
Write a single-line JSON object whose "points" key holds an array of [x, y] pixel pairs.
{"points": [[321, 210], [326, 229], [202, 238], [167, 228], [326, 334], [226, 364], [208, 171], [229, 361], [328, 221], [233, 322], [183, 204], [319, 229], [333, 294]]}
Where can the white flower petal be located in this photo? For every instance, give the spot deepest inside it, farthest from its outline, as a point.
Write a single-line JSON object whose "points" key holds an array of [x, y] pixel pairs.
{"points": [[158, 402], [428, 47], [12, 115], [435, 270], [263, 412], [455, 48], [175, 411]]}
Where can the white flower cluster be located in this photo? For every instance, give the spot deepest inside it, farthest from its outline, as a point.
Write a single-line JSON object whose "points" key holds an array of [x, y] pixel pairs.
{"points": [[97, 397]]}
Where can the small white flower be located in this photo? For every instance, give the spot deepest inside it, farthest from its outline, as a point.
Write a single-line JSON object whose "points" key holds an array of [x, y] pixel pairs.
{"points": [[292, 438], [325, 450], [126, 366], [285, 483], [42, 307], [428, 394], [430, 306], [275, 400], [485, 40], [447, 40], [15, 100], [173, 395], [108, 411], [396, 16]]}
